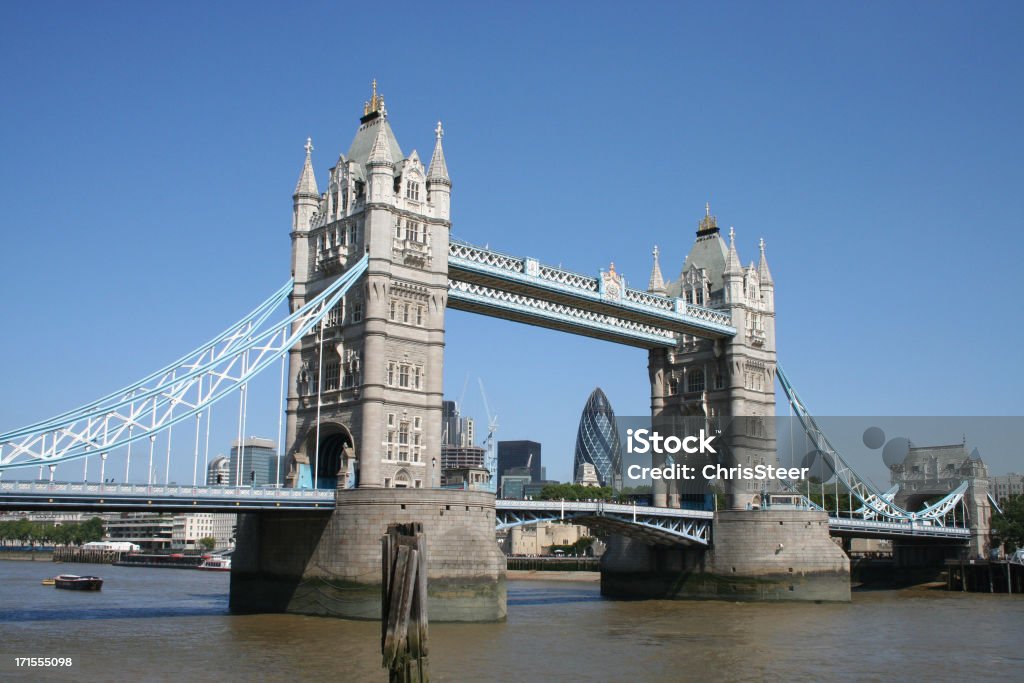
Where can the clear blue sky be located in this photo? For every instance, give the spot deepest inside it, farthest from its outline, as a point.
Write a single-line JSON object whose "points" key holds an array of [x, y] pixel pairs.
{"points": [[149, 153]]}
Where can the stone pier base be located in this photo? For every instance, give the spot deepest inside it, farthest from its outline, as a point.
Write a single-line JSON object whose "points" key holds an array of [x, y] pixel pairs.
{"points": [[330, 563], [756, 555]]}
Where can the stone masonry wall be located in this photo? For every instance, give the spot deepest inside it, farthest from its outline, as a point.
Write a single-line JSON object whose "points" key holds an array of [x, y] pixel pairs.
{"points": [[330, 565]]}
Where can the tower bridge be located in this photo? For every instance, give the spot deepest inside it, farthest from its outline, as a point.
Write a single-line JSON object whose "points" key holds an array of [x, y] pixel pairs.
{"points": [[360, 354]]}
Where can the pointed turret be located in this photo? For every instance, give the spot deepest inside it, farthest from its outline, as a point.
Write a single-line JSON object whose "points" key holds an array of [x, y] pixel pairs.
{"points": [[306, 187], [380, 166], [657, 282], [439, 185], [732, 259], [380, 153], [763, 273], [438, 168], [732, 277], [306, 199], [766, 283]]}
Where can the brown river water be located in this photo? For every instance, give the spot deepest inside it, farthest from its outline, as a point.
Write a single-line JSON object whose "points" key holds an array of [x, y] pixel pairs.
{"points": [[173, 625]]}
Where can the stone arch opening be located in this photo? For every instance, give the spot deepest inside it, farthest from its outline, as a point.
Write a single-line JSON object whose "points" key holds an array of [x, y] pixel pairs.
{"points": [[333, 462]]}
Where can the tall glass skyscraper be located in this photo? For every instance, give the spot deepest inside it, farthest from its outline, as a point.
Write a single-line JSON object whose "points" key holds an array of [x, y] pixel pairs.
{"points": [[597, 441]]}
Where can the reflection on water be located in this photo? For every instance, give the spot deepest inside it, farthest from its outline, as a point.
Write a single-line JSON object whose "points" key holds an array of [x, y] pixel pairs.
{"points": [[173, 624]]}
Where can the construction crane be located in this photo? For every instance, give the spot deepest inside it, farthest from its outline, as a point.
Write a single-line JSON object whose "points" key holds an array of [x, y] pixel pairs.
{"points": [[490, 457]]}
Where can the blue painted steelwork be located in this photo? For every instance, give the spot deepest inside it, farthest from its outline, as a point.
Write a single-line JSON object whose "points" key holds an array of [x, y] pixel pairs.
{"points": [[874, 504], [27, 495], [184, 392], [118, 398], [662, 526], [688, 527], [499, 276], [502, 304]]}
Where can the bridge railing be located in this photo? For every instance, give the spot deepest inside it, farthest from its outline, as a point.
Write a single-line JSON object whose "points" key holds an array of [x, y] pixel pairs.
{"points": [[601, 507], [525, 269], [912, 526], [172, 491]]}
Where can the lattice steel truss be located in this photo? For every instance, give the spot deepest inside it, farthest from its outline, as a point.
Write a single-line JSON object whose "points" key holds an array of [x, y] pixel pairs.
{"points": [[660, 526], [488, 281], [503, 303], [178, 391]]}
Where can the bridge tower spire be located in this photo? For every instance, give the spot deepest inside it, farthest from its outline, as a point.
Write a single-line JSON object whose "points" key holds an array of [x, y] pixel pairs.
{"points": [[305, 204], [439, 185], [306, 198], [656, 285]]}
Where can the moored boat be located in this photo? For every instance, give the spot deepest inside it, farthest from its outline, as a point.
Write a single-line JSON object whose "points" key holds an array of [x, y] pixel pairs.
{"points": [[78, 583], [216, 564], [49, 581]]}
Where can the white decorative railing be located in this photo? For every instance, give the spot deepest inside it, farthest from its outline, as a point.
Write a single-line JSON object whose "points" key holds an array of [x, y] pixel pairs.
{"points": [[648, 299], [565, 277], [567, 313], [600, 506], [530, 272], [708, 314], [165, 490], [485, 257]]}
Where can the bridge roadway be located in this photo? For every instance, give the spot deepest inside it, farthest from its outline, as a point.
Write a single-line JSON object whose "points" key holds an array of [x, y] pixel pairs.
{"points": [[663, 526]]}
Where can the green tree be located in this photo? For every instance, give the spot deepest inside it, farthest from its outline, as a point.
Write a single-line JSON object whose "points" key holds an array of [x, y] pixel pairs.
{"points": [[90, 530], [1008, 525], [208, 542], [22, 531], [574, 492]]}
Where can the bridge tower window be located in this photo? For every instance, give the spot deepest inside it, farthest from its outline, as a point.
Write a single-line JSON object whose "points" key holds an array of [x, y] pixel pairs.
{"points": [[412, 190], [331, 374], [695, 381]]}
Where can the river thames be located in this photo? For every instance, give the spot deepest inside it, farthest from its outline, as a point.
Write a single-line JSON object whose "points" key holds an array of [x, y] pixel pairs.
{"points": [[174, 625]]}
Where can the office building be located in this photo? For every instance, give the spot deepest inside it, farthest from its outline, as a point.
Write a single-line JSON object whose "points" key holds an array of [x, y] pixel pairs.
{"points": [[524, 454]]}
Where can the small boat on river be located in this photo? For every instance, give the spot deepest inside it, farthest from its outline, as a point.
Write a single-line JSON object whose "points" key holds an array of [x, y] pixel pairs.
{"points": [[49, 581], [74, 582], [216, 564]]}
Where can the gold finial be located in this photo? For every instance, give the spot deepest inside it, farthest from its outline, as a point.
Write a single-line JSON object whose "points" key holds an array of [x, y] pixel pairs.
{"points": [[708, 222], [611, 268], [376, 102]]}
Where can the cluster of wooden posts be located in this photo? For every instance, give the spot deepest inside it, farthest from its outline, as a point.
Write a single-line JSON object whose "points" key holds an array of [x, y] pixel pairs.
{"points": [[86, 555], [403, 637], [983, 576]]}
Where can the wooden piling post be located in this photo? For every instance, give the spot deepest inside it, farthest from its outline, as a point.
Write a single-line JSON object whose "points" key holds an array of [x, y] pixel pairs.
{"points": [[404, 603]]}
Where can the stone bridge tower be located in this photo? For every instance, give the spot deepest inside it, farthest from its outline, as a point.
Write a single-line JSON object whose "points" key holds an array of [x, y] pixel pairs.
{"points": [[365, 388], [728, 385], [364, 400]]}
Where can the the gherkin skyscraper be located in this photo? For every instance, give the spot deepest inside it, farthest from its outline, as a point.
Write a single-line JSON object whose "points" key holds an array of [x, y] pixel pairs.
{"points": [[597, 441]]}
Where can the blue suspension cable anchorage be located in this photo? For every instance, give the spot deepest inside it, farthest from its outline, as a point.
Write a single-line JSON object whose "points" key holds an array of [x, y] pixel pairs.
{"points": [[874, 503]]}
